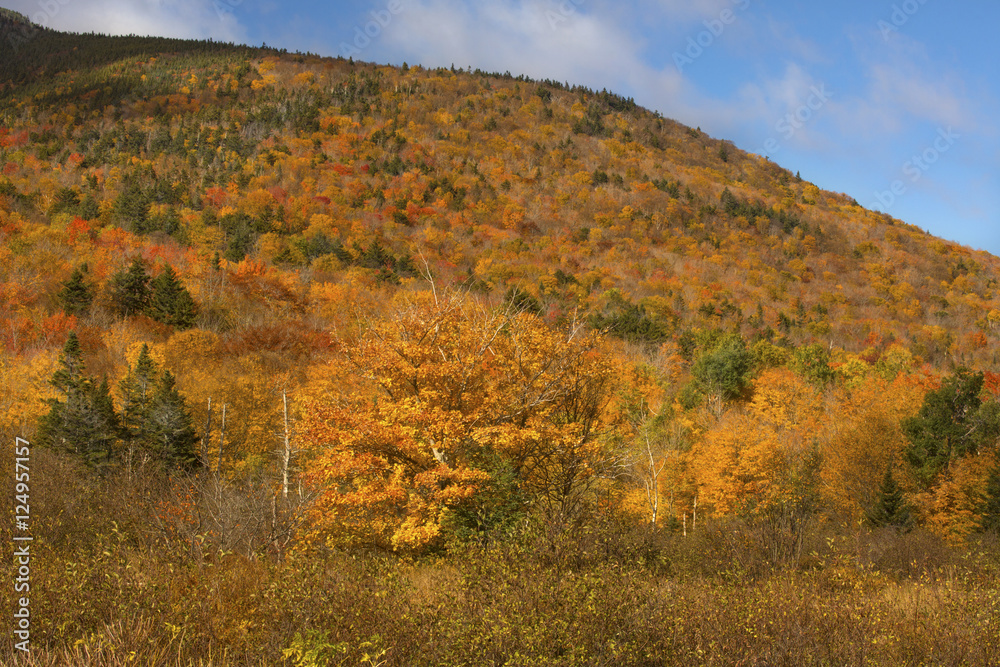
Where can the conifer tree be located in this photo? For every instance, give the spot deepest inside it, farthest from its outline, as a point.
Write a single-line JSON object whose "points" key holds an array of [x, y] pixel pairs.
{"points": [[130, 289], [85, 422], [953, 421], [76, 295], [137, 389], [173, 437], [891, 508], [105, 422], [154, 416], [170, 302]]}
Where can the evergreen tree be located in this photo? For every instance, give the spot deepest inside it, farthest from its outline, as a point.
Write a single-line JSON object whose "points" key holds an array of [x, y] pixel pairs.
{"points": [[173, 437], [85, 423], [154, 416], [137, 389], [724, 370], [170, 302], [89, 208], [131, 209], [105, 422], [891, 509], [130, 289], [952, 422], [76, 295], [989, 513]]}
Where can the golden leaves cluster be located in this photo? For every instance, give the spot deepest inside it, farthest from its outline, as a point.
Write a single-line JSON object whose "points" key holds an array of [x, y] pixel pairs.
{"points": [[435, 394]]}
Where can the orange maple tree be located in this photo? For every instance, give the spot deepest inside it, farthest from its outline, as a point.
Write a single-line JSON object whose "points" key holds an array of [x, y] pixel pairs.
{"points": [[437, 400]]}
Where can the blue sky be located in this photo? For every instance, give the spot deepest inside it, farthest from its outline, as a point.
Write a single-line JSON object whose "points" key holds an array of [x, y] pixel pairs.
{"points": [[893, 102]]}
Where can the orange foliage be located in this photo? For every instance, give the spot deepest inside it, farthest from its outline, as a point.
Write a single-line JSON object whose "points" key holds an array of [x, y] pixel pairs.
{"points": [[438, 390]]}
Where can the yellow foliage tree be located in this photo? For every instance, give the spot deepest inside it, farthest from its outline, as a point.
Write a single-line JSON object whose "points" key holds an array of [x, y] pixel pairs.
{"points": [[446, 398], [762, 456]]}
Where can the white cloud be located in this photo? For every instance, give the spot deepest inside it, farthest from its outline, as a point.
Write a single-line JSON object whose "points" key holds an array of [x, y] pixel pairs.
{"points": [[195, 19], [568, 41]]}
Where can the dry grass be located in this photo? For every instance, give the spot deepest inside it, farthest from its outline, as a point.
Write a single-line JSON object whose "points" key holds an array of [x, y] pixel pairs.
{"points": [[107, 589]]}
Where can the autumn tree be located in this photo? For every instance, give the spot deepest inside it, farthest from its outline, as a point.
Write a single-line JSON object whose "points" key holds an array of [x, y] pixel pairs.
{"points": [[763, 457], [866, 441], [448, 405]]}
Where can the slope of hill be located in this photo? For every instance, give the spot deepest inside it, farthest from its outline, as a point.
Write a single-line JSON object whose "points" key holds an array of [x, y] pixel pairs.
{"points": [[304, 163], [540, 304]]}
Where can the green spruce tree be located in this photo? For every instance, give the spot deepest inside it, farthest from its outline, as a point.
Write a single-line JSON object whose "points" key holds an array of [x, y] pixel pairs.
{"points": [[155, 420], [137, 389], [130, 289], [891, 508], [173, 437], [83, 422], [170, 302], [76, 295]]}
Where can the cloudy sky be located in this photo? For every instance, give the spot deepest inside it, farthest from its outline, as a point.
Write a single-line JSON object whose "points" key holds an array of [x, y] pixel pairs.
{"points": [[894, 102]]}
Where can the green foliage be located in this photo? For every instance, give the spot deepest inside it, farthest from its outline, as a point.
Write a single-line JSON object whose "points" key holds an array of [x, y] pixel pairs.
{"points": [[495, 511], [629, 321], [313, 649], [813, 363], [66, 199], [84, 423], [724, 370], [76, 294], [170, 302], [592, 123], [154, 416], [130, 289], [137, 389], [891, 508], [131, 209], [952, 422], [989, 511], [522, 301], [173, 439], [752, 210]]}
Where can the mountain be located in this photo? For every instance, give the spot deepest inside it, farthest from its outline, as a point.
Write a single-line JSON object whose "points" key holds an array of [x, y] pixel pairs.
{"points": [[581, 199], [273, 320]]}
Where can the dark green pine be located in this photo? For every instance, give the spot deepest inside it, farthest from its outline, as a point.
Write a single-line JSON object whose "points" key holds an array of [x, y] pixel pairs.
{"points": [[84, 423], [137, 389], [989, 515], [174, 437], [891, 508], [76, 295], [130, 289], [170, 301]]}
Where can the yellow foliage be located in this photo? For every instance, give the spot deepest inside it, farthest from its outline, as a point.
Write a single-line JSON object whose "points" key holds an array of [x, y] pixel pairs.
{"points": [[438, 387]]}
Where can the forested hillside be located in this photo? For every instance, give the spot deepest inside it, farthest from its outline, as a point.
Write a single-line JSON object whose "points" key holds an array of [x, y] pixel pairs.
{"points": [[415, 335]]}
